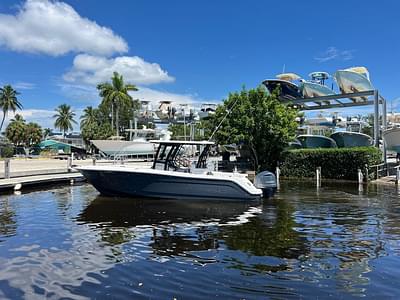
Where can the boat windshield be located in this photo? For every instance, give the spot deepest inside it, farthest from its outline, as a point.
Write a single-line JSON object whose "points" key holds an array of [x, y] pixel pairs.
{"points": [[173, 156]]}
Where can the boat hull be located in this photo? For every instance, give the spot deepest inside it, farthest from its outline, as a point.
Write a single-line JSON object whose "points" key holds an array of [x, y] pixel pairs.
{"points": [[311, 90], [391, 138], [316, 141], [288, 90], [351, 139], [352, 82], [165, 186]]}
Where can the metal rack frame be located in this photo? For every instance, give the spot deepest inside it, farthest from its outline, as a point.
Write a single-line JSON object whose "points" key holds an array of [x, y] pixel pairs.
{"points": [[333, 101]]}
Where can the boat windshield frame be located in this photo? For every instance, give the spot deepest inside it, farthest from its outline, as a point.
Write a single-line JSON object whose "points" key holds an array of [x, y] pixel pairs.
{"points": [[169, 155]]}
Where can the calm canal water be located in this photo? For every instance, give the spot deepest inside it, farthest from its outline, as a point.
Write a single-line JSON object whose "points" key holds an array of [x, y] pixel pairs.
{"points": [[334, 242]]}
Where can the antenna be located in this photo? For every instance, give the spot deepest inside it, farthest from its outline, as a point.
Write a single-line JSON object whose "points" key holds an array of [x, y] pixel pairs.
{"points": [[283, 68]]}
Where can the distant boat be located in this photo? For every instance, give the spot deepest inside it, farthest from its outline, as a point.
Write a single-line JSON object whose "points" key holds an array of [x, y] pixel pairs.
{"points": [[288, 90], [138, 146], [166, 110], [316, 141], [353, 80], [113, 148], [316, 87], [351, 139], [391, 138], [207, 109]]}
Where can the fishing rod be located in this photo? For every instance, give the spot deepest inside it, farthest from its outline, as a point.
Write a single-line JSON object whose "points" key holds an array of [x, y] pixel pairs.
{"points": [[223, 119]]}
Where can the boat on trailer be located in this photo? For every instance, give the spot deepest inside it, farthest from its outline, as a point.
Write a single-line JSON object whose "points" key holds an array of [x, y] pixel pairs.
{"points": [[173, 176]]}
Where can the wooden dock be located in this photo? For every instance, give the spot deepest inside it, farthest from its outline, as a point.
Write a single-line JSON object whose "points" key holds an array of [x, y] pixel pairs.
{"points": [[19, 183]]}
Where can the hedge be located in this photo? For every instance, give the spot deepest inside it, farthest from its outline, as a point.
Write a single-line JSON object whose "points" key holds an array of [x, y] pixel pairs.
{"points": [[335, 163]]}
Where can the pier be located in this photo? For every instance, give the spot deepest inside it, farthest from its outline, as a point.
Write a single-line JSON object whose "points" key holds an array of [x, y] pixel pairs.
{"points": [[17, 174]]}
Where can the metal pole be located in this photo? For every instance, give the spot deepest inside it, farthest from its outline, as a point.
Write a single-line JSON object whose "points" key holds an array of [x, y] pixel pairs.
{"points": [[376, 118], [384, 126]]}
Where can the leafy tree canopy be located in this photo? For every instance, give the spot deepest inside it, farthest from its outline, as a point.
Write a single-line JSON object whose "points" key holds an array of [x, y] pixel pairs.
{"points": [[257, 120]]}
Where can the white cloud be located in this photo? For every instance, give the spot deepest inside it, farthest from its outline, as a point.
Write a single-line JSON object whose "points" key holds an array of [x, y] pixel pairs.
{"points": [[55, 28], [93, 70], [332, 53], [22, 85], [155, 96]]}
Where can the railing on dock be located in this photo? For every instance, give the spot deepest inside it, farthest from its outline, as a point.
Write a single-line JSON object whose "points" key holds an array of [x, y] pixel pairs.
{"points": [[383, 170]]}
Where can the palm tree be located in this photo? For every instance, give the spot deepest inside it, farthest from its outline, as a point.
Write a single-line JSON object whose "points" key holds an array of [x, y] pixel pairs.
{"points": [[46, 133], [8, 101], [64, 118], [89, 116], [16, 130], [116, 94]]}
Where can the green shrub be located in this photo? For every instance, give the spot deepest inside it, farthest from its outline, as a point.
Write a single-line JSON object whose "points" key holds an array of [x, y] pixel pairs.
{"points": [[6, 151], [336, 163]]}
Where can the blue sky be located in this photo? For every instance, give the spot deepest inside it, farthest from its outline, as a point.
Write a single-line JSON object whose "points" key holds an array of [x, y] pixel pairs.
{"points": [[55, 52]]}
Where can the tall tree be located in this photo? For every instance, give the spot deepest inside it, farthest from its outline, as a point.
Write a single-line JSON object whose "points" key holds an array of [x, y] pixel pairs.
{"points": [[46, 132], [64, 118], [33, 134], [115, 94], [89, 117], [8, 101], [16, 130], [257, 120]]}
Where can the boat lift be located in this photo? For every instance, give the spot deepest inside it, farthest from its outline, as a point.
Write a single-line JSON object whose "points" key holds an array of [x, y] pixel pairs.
{"points": [[348, 100]]}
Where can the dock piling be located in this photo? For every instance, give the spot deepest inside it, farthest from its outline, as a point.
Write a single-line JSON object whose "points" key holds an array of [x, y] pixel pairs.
{"points": [[94, 160], [318, 176], [7, 163], [69, 164], [277, 174], [360, 176]]}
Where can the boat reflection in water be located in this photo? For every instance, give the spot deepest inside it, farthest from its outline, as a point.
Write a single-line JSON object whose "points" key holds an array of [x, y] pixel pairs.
{"points": [[177, 226]]}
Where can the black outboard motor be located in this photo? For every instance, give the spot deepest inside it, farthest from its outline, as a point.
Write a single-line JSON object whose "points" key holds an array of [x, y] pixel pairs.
{"points": [[266, 181]]}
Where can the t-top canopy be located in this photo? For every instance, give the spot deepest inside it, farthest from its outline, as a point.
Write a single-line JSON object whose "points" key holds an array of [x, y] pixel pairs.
{"points": [[175, 142], [288, 76]]}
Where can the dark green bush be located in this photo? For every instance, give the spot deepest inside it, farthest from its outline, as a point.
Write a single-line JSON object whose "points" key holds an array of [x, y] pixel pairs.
{"points": [[335, 163], [6, 151]]}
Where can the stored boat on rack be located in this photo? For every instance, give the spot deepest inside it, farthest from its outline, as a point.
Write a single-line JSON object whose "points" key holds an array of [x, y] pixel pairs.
{"points": [[288, 90], [316, 86], [173, 176], [391, 137], [353, 80], [346, 139], [316, 141]]}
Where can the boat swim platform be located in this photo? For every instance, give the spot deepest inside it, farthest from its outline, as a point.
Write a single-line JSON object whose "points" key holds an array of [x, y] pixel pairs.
{"points": [[19, 183]]}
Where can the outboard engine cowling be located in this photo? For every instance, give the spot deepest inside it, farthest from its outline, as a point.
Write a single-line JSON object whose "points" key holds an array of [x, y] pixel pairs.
{"points": [[266, 181]]}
